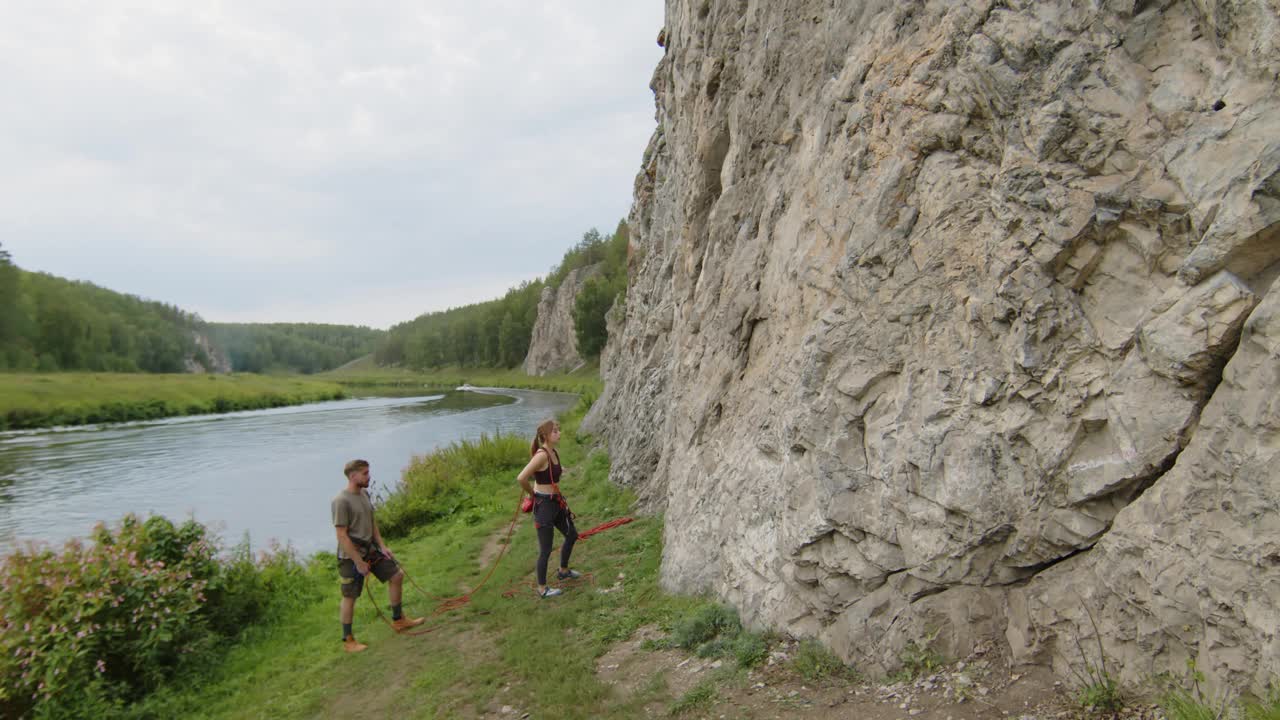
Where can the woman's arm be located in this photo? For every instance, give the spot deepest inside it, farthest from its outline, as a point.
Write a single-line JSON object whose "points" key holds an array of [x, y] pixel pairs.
{"points": [[537, 463]]}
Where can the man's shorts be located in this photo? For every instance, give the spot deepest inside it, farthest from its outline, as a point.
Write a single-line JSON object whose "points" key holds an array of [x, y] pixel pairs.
{"points": [[384, 568]]}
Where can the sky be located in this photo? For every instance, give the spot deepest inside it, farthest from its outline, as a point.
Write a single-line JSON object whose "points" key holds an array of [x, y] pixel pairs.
{"points": [[320, 161]]}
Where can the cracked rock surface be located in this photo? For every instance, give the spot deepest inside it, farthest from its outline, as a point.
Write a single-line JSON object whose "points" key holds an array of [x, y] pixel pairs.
{"points": [[961, 318]]}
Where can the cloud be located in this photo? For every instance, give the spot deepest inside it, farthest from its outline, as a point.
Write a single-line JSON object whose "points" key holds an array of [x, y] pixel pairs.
{"points": [[227, 156]]}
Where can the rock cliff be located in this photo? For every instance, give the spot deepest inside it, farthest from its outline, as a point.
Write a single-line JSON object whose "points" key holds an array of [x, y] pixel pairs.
{"points": [[962, 317], [215, 359], [553, 347]]}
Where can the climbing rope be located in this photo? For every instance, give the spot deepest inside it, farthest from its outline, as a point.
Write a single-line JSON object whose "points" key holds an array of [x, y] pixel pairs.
{"points": [[460, 601]]}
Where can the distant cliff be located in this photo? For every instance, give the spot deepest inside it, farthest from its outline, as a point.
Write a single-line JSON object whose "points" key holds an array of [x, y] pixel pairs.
{"points": [[207, 357], [553, 346], [962, 317]]}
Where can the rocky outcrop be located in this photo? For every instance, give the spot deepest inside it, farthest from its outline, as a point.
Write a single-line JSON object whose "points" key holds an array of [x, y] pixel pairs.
{"points": [[929, 317], [208, 357], [553, 346]]}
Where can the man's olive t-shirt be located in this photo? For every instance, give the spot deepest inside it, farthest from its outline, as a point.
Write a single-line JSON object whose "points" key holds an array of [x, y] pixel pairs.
{"points": [[354, 512]]}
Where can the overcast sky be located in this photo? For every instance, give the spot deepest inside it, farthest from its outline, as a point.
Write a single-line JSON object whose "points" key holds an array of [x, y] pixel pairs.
{"points": [[348, 162]]}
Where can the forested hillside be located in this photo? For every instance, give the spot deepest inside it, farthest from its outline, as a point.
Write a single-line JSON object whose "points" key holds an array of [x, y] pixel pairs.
{"points": [[292, 347], [496, 333], [48, 323]]}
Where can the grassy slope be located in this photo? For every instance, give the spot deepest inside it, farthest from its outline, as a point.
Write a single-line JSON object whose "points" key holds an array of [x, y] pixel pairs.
{"points": [[47, 399], [496, 650]]}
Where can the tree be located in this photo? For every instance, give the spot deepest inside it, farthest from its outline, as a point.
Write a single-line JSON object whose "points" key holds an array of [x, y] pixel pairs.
{"points": [[8, 303]]}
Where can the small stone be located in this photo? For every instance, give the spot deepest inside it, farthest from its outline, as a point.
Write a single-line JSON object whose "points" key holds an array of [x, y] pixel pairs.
{"points": [[507, 709]]}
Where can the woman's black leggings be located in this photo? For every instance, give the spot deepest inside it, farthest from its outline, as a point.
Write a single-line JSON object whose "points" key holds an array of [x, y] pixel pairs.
{"points": [[548, 517]]}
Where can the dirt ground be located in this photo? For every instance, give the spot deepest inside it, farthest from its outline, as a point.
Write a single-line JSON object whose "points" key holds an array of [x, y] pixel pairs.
{"points": [[980, 686]]}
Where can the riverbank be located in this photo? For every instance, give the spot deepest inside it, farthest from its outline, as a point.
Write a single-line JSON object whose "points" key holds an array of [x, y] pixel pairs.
{"points": [[41, 400], [37, 400], [622, 647], [363, 373]]}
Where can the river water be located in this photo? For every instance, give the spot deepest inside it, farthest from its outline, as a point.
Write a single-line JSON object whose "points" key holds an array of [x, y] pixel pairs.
{"points": [[267, 473]]}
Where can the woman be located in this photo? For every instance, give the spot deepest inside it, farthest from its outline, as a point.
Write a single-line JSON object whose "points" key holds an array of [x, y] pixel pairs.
{"points": [[549, 507]]}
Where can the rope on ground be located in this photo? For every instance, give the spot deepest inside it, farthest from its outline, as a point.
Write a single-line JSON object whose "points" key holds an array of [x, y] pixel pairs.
{"points": [[452, 603], [460, 601], [603, 526]]}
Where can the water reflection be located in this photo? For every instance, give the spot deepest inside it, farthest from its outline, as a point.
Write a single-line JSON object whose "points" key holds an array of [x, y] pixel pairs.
{"points": [[269, 473]]}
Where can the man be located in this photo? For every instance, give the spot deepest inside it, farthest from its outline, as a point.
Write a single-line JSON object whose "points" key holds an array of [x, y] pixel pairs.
{"points": [[360, 551]]}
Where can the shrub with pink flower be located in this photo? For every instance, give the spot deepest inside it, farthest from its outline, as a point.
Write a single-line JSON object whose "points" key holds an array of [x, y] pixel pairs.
{"points": [[96, 624]]}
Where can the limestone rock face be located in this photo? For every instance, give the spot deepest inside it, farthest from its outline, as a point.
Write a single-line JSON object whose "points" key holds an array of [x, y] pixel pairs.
{"points": [[928, 319], [217, 358], [554, 344]]}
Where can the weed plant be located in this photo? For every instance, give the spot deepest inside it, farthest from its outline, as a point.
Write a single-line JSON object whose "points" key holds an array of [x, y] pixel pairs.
{"points": [[699, 697], [1265, 709], [919, 658], [712, 630], [814, 662], [1097, 689]]}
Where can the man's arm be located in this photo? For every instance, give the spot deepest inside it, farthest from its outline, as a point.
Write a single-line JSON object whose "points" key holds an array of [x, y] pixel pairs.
{"points": [[349, 545]]}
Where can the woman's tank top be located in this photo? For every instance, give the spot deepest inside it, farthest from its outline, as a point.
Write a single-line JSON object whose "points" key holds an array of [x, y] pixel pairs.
{"points": [[552, 473]]}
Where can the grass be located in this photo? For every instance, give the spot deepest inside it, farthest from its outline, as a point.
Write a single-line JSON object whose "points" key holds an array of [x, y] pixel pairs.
{"points": [[33, 400], [494, 651], [814, 663], [1267, 708]]}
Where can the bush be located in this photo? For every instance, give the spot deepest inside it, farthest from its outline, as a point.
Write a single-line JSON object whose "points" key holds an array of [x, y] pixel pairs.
{"points": [[815, 662], [87, 628], [704, 625]]}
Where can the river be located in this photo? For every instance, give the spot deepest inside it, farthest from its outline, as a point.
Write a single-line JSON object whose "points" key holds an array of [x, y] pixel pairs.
{"points": [[269, 474]]}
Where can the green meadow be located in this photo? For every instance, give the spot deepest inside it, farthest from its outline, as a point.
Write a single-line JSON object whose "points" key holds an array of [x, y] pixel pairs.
{"points": [[34, 400]]}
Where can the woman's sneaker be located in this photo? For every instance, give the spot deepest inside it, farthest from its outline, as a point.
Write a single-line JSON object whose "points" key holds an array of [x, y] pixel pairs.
{"points": [[350, 645], [568, 574], [550, 592]]}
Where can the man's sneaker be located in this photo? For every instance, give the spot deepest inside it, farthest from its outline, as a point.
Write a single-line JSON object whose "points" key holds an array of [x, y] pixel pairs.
{"points": [[350, 645], [550, 592], [568, 574], [405, 623]]}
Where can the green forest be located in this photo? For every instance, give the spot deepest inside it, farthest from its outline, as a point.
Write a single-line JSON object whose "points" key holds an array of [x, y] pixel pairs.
{"points": [[292, 347], [496, 333], [51, 324], [48, 323]]}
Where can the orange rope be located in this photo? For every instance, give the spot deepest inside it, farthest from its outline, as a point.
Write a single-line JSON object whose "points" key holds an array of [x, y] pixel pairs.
{"points": [[460, 601], [452, 603], [602, 527]]}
